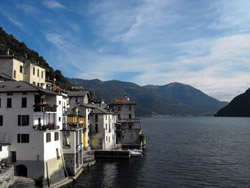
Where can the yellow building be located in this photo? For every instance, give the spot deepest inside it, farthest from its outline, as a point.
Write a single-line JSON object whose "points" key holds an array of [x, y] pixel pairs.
{"points": [[22, 71], [34, 74], [12, 67]]}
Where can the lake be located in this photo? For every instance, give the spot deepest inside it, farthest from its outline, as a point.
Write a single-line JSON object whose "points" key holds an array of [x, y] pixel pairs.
{"points": [[181, 152]]}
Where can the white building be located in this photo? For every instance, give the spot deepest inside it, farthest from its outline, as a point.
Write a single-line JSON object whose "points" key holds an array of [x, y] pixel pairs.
{"points": [[32, 120], [102, 129]]}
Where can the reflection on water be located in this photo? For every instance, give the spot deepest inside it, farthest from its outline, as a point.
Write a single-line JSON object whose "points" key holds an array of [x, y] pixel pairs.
{"points": [[109, 173], [181, 152]]}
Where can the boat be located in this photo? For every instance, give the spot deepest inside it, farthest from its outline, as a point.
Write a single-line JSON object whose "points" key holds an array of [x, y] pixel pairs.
{"points": [[135, 153]]}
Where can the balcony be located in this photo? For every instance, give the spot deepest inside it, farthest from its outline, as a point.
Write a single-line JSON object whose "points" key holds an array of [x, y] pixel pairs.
{"points": [[50, 126], [44, 107], [71, 126]]}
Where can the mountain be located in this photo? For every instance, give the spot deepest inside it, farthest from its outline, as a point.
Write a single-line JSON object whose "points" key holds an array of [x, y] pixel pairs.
{"points": [[238, 107], [23, 53], [174, 99]]}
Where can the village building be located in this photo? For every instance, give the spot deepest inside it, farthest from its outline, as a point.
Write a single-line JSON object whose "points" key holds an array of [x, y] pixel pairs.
{"points": [[31, 119], [72, 141], [102, 128], [80, 99], [12, 67], [22, 71], [128, 127]]}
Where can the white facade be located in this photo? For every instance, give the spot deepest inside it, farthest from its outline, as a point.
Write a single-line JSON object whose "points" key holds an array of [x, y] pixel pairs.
{"points": [[102, 131], [33, 131]]}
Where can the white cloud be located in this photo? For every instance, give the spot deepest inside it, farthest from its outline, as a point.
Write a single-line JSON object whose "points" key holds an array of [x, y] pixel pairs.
{"points": [[164, 41], [53, 4], [12, 19]]}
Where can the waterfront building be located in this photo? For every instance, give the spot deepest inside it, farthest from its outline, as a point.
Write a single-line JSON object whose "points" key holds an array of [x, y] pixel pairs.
{"points": [[102, 128], [72, 139], [80, 99], [128, 127], [31, 118]]}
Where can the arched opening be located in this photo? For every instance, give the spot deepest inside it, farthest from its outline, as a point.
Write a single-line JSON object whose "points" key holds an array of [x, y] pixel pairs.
{"points": [[21, 170]]}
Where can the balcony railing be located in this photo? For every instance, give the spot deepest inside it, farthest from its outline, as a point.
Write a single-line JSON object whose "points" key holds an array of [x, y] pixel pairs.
{"points": [[46, 127], [44, 107]]}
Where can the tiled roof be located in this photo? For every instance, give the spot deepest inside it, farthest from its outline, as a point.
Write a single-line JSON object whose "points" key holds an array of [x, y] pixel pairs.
{"points": [[21, 86]]}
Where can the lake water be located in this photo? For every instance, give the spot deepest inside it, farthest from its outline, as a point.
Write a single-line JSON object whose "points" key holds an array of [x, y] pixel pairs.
{"points": [[181, 152]]}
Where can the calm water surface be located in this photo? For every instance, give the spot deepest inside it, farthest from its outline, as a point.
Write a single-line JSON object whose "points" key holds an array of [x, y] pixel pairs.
{"points": [[181, 152]]}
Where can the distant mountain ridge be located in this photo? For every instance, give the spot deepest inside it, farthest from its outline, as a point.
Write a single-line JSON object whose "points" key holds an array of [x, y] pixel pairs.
{"points": [[238, 107], [173, 99]]}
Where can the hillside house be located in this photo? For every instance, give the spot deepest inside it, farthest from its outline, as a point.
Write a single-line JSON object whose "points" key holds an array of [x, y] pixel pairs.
{"points": [[22, 71]]}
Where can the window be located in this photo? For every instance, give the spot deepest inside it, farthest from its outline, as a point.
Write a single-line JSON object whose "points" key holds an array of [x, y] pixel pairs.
{"points": [[9, 102], [42, 74], [1, 120], [130, 108], [1, 148], [24, 102], [38, 84], [130, 116], [56, 136], [0, 103], [23, 120], [59, 119], [37, 72], [14, 74], [34, 83], [21, 69], [34, 70], [106, 126], [59, 102], [96, 128], [23, 138], [96, 118], [48, 137]]}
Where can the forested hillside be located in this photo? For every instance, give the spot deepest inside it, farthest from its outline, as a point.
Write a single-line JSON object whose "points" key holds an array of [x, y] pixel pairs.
{"points": [[238, 107]]}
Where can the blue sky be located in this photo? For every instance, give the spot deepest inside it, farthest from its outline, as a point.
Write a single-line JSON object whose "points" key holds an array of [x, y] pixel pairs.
{"points": [[202, 43]]}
